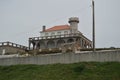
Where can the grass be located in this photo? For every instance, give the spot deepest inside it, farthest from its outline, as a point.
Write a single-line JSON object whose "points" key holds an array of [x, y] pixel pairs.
{"points": [[76, 71]]}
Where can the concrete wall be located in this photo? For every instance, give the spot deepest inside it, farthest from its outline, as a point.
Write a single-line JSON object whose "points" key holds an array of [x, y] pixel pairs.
{"points": [[10, 50], [101, 56]]}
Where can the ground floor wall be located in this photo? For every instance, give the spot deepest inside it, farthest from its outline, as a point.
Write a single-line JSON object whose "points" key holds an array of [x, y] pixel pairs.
{"points": [[100, 56], [58, 42]]}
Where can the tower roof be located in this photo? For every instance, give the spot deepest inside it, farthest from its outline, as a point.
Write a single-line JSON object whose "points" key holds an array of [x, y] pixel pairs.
{"points": [[73, 19], [57, 28]]}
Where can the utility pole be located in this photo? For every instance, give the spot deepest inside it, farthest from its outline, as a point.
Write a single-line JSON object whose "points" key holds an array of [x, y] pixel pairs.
{"points": [[93, 32]]}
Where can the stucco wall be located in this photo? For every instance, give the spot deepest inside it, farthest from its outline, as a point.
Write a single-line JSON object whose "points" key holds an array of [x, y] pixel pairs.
{"points": [[101, 56], [55, 33], [11, 50]]}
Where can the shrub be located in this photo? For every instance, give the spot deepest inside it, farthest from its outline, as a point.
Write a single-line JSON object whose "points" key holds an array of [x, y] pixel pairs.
{"points": [[79, 68]]}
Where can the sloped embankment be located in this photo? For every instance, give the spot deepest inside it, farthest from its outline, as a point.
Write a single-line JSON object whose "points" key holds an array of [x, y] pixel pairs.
{"points": [[76, 71]]}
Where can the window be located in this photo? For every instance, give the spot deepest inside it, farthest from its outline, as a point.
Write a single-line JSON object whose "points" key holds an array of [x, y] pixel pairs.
{"points": [[46, 34], [52, 33], [65, 32], [58, 33]]}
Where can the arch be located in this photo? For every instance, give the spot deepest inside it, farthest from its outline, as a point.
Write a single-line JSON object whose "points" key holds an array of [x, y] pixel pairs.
{"points": [[38, 46], [33, 45], [51, 44], [91, 46], [87, 46], [70, 40], [78, 40], [59, 43], [82, 43], [42, 45]]}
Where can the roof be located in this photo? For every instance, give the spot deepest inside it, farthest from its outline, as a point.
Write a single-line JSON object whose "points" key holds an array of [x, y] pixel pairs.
{"points": [[59, 27]]}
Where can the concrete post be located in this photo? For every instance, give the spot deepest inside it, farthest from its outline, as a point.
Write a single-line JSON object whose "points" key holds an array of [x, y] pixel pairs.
{"points": [[7, 43], [55, 43], [2, 44], [29, 44], [12, 44]]}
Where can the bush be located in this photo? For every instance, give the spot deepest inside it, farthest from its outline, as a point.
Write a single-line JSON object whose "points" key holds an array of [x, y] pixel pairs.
{"points": [[79, 68], [45, 51], [69, 50]]}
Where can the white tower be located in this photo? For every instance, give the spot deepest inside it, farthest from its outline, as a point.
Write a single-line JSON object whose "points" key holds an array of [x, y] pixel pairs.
{"points": [[74, 24]]}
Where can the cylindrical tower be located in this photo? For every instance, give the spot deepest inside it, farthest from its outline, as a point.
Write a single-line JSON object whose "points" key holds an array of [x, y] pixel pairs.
{"points": [[44, 27], [74, 24]]}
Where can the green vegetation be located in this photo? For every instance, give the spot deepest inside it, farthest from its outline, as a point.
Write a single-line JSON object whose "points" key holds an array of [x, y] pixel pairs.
{"points": [[56, 50], [99, 49], [76, 71], [44, 51]]}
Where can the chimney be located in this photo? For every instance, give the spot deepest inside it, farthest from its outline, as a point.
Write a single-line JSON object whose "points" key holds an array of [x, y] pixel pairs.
{"points": [[74, 24], [44, 27]]}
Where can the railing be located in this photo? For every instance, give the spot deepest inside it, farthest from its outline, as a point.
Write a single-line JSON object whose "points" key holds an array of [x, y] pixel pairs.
{"points": [[55, 36], [13, 45]]}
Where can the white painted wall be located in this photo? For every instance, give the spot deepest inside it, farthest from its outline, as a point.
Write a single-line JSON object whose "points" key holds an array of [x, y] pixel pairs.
{"points": [[52, 33]]}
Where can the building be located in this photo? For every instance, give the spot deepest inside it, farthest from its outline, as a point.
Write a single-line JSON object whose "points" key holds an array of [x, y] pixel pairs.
{"points": [[57, 36]]}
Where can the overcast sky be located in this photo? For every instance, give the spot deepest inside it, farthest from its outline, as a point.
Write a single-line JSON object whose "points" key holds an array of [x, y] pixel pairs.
{"points": [[21, 19]]}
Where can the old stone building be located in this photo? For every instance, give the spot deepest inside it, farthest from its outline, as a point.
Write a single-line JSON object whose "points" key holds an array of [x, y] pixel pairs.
{"points": [[57, 36]]}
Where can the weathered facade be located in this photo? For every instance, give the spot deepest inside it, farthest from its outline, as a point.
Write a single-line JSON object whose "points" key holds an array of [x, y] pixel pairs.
{"points": [[11, 48], [56, 36]]}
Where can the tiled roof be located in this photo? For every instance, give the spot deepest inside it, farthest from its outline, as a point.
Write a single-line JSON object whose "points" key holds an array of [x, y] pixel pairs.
{"points": [[56, 28]]}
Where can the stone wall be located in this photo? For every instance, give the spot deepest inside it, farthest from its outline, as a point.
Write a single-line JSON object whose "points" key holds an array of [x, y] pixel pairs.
{"points": [[10, 50], [100, 56]]}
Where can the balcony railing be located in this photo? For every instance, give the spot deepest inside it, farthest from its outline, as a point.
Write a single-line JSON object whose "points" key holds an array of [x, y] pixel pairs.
{"points": [[13, 45], [55, 36]]}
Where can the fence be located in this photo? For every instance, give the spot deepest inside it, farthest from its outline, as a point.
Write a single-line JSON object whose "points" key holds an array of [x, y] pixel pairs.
{"points": [[99, 56]]}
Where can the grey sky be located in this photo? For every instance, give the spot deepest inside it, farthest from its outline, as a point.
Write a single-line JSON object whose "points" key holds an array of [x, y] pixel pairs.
{"points": [[21, 19]]}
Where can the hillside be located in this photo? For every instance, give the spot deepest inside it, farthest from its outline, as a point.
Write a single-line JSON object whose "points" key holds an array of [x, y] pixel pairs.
{"points": [[76, 71]]}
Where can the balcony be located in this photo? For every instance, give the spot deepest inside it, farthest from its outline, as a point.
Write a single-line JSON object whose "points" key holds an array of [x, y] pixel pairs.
{"points": [[56, 36]]}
